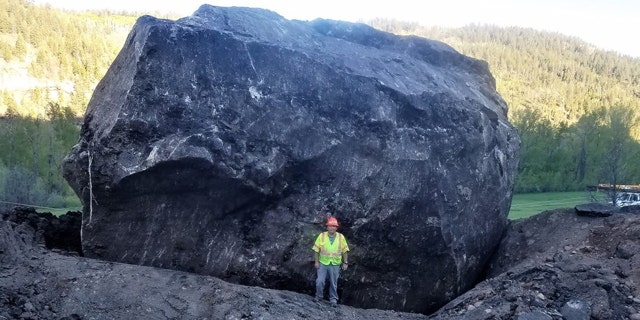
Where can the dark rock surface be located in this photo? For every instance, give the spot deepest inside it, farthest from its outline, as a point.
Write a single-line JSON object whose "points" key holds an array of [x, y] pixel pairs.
{"points": [[217, 144], [595, 209], [630, 209]]}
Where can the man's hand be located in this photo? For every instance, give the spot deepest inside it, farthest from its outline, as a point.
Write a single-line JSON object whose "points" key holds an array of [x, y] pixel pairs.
{"points": [[345, 266], [317, 265]]}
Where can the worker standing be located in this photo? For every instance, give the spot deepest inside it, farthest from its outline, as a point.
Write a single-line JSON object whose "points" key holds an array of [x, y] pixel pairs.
{"points": [[330, 255]]}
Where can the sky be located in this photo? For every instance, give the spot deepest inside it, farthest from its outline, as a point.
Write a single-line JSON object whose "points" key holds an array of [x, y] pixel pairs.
{"points": [[607, 24]]}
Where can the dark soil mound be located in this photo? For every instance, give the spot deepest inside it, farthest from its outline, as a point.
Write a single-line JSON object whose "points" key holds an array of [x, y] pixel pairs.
{"points": [[61, 233]]}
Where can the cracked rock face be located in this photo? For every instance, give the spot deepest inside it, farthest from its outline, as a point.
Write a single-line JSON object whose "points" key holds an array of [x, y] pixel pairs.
{"points": [[218, 144]]}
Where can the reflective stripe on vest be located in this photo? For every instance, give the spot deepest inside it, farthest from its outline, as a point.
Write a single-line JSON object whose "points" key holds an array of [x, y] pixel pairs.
{"points": [[325, 247]]}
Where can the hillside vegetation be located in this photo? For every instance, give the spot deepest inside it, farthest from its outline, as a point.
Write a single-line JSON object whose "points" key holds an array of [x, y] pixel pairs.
{"points": [[576, 107], [54, 56], [50, 61]]}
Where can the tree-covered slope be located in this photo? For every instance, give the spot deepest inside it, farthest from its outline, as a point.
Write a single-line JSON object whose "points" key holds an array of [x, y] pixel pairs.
{"points": [[49, 55], [50, 61]]}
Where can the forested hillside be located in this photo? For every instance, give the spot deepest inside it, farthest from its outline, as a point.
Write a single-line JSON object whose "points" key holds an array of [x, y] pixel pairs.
{"points": [[54, 56], [50, 61], [576, 107]]}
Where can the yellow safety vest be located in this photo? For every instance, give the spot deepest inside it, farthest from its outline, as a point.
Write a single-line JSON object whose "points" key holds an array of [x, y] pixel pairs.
{"points": [[330, 253]]}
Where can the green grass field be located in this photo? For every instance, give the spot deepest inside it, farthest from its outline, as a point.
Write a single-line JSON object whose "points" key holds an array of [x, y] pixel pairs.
{"points": [[59, 211], [72, 202], [527, 204]]}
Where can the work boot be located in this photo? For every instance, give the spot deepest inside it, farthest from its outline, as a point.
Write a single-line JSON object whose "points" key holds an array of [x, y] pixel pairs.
{"points": [[334, 303]]}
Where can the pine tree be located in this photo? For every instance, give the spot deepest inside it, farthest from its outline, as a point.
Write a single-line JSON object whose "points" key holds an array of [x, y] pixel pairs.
{"points": [[20, 48], [5, 51]]}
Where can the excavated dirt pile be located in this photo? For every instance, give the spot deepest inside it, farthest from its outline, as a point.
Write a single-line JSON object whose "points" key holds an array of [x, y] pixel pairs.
{"points": [[560, 265], [38, 283]]}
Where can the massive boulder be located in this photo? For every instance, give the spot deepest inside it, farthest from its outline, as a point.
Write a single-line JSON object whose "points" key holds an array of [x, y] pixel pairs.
{"points": [[220, 142]]}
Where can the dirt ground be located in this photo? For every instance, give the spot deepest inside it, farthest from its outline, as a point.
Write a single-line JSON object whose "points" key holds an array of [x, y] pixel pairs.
{"points": [[37, 282], [555, 265], [558, 265]]}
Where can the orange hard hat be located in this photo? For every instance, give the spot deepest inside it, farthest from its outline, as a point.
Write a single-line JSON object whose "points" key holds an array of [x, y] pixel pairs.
{"points": [[332, 222]]}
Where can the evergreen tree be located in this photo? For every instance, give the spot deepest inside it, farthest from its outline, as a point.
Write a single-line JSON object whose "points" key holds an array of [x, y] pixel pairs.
{"points": [[20, 48], [5, 51]]}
